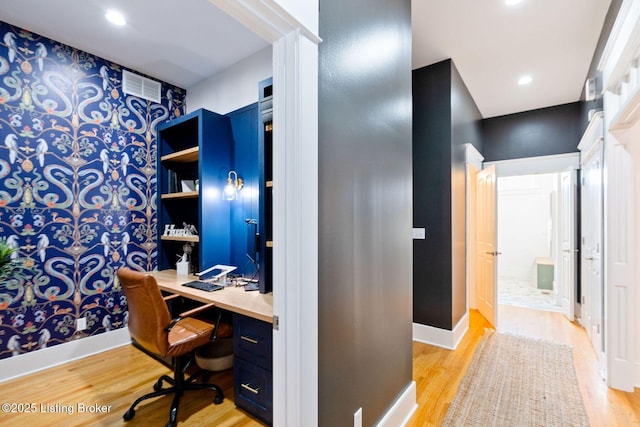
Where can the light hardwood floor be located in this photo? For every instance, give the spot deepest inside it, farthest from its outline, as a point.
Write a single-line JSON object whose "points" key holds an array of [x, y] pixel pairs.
{"points": [[116, 377], [438, 372]]}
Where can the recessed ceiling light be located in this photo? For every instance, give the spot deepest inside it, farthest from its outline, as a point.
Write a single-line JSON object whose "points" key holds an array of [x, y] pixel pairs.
{"points": [[525, 80], [116, 18], [512, 2]]}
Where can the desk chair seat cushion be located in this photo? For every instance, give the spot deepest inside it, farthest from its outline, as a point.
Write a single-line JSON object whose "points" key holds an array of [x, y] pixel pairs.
{"points": [[187, 334]]}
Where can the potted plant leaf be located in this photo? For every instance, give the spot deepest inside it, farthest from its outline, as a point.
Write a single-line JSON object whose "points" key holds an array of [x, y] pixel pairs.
{"points": [[7, 263]]}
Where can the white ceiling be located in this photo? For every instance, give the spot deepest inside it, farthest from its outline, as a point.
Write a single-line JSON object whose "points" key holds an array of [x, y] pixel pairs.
{"points": [[492, 45], [178, 41], [185, 41]]}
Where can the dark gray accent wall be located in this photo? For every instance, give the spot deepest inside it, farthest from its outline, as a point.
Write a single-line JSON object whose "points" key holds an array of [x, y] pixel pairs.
{"points": [[445, 118], [542, 132], [465, 129], [365, 208], [432, 195]]}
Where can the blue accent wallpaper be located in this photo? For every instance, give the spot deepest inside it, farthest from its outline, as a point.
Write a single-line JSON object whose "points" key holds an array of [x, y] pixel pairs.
{"points": [[77, 189]]}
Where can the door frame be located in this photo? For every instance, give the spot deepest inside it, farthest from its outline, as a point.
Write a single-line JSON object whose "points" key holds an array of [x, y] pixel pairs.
{"points": [[534, 165], [295, 231], [589, 153]]}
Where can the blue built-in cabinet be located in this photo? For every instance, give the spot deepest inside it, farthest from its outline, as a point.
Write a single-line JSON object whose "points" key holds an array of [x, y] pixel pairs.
{"points": [[205, 146], [244, 210], [197, 146]]}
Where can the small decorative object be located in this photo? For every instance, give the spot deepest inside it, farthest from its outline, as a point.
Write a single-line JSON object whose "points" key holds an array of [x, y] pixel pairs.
{"points": [[182, 266], [188, 185], [171, 230], [190, 229]]}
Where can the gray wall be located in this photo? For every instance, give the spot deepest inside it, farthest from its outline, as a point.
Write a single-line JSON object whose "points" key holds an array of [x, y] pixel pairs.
{"points": [[465, 129], [542, 132], [432, 195], [445, 118], [365, 257]]}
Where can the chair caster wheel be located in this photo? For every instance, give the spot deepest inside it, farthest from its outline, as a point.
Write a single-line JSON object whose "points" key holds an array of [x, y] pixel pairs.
{"points": [[218, 399], [157, 386], [170, 424], [129, 414]]}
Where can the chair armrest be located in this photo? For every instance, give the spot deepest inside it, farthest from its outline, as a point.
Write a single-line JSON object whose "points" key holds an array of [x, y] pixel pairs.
{"points": [[189, 313], [170, 297], [197, 310]]}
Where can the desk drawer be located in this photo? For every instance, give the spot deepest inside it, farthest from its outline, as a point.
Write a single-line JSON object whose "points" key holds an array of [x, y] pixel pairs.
{"points": [[253, 389], [253, 340]]}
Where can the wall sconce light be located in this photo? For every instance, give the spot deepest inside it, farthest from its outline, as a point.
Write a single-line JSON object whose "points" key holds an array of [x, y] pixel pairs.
{"points": [[233, 186]]}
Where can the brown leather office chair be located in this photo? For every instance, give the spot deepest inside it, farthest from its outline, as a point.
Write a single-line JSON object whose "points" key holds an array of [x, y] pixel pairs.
{"points": [[152, 328]]}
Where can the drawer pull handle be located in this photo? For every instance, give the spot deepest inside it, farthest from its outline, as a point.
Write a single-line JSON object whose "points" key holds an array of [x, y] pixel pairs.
{"points": [[251, 340], [251, 389]]}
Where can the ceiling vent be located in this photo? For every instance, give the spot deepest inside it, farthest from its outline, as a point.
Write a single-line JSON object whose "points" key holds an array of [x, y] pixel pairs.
{"points": [[134, 84]]}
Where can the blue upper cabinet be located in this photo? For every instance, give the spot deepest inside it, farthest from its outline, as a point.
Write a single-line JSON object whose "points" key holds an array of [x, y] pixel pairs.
{"points": [[194, 159]]}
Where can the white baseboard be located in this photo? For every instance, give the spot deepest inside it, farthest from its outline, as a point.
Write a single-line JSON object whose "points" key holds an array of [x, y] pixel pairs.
{"points": [[17, 366], [402, 409], [441, 337]]}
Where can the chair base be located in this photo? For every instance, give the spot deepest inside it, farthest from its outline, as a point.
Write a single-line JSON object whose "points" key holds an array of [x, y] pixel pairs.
{"points": [[178, 386]]}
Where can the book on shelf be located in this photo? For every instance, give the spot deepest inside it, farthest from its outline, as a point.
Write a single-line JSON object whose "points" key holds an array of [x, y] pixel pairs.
{"points": [[173, 181]]}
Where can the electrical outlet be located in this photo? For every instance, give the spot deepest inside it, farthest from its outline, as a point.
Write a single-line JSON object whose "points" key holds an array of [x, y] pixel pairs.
{"points": [[81, 323], [357, 418]]}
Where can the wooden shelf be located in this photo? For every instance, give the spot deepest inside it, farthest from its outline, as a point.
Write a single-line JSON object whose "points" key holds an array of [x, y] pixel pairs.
{"points": [[194, 239], [181, 195], [184, 156]]}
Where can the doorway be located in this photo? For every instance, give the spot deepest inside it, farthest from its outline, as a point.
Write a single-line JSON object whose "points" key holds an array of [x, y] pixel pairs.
{"points": [[528, 233], [553, 180]]}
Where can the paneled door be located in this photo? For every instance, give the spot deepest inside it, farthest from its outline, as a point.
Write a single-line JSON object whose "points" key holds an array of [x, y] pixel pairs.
{"points": [[591, 247], [486, 295], [567, 231]]}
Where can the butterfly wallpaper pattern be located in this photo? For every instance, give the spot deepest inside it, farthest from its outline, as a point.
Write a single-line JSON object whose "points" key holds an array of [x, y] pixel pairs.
{"points": [[77, 189]]}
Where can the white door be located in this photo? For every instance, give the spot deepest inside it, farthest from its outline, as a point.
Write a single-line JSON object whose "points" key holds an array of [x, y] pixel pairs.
{"points": [[591, 248], [567, 231], [486, 267]]}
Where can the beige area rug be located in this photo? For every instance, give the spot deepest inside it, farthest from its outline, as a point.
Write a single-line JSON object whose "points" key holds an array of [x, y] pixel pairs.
{"points": [[517, 381]]}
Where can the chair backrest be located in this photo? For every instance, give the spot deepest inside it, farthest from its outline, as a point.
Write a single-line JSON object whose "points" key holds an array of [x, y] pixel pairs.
{"points": [[148, 312]]}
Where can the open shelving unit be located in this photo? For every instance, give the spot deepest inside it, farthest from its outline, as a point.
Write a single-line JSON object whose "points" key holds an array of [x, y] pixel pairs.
{"points": [[194, 148]]}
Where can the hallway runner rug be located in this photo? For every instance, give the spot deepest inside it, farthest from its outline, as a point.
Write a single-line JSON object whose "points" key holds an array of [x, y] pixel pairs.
{"points": [[516, 381]]}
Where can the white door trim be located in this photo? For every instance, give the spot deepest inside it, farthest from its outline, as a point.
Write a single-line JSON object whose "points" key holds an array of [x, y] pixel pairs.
{"points": [[295, 200], [295, 232], [618, 66], [533, 165]]}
